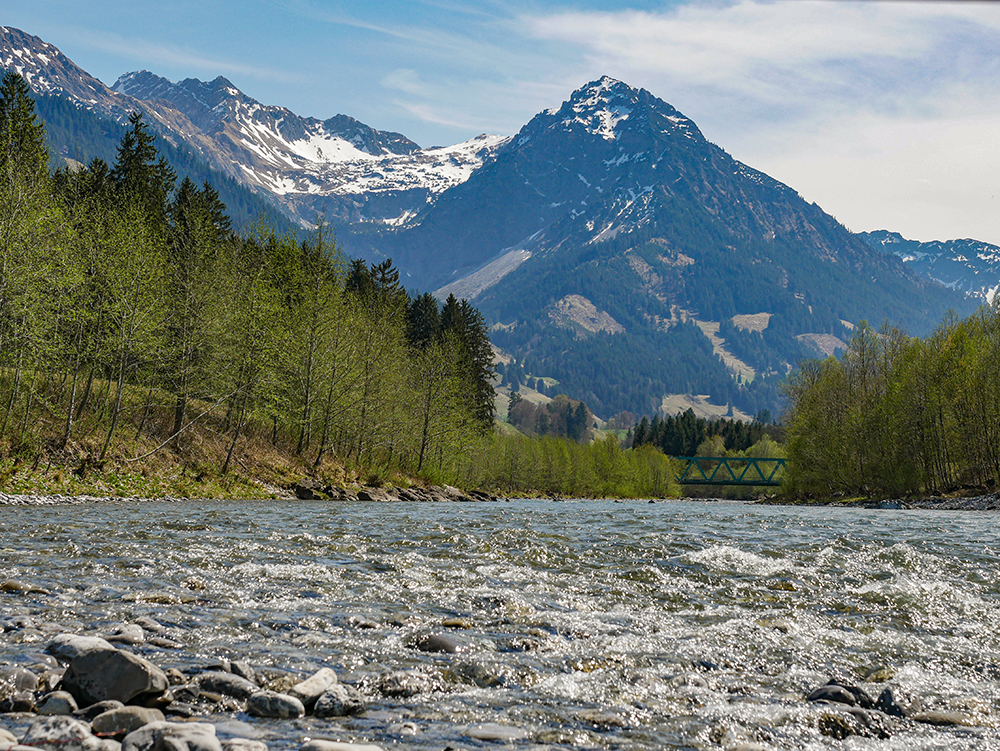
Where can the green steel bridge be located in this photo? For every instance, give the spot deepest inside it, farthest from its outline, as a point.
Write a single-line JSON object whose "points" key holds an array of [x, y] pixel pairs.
{"points": [[721, 470]]}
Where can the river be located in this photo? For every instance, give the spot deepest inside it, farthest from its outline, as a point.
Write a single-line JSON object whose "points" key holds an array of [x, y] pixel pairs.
{"points": [[588, 624]]}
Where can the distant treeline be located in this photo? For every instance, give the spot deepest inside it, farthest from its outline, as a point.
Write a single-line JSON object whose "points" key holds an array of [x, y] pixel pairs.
{"points": [[688, 435], [125, 297], [900, 415]]}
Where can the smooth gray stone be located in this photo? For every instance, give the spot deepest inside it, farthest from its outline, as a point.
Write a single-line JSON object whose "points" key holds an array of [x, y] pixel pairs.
{"points": [[101, 675], [441, 643], [339, 701], [243, 670], [18, 678], [173, 736], [942, 718], [67, 647], [226, 683], [309, 690], [324, 745], [243, 744], [833, 693], [58, 703], [489, 731], [123, 721], [60, 733], [406, 683], [130, 634], [273, 704], [150, 624], [89, 713]]}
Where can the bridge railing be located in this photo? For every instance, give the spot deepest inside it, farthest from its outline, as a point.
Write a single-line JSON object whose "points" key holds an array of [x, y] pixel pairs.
{"points": [[722, 470]]}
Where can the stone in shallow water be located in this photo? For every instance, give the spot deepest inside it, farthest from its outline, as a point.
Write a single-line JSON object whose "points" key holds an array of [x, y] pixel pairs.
{"points": [[227, 684], [324, 745], [489, 731], [243, 744], [61, 734], [112, 674], [406, 683], [20, 679], [6, 736], [89, 713], [273, 704], [837, 694], [441, 643], [309, 690], [339, 701], [123, 721], [129, 634], [173, 736], [58, 703], [67, 647], [943, 718]]}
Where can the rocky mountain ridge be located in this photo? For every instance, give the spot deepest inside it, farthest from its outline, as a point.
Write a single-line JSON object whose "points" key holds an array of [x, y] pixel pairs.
{"points": [[967, 265]]}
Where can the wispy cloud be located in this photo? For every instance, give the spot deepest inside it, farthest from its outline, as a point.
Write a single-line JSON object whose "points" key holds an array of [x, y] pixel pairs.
{"points": [[148, 53]]}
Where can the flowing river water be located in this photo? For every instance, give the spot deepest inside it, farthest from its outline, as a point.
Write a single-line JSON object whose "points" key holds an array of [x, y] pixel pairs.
{"points": [[587, 624]]}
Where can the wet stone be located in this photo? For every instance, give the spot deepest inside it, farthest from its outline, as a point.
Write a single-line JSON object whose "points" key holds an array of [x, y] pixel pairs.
{"points": [[243, 670], [18, 678], [6, 736], [320, 744], [243, 744], [89, 713], [61, 734], [943, 718], [833, 693], [112, 674], [58, 703], [406, 683], [492, 732], [16, 701], [443, 643], [339, 701], [131, 634], [121, 722], [273, 704], [227, 684], [67, 647], [173, 736], [309, 690]]}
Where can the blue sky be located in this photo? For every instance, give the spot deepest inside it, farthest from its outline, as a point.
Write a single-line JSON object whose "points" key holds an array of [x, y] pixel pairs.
{"points": [[884, 113]]}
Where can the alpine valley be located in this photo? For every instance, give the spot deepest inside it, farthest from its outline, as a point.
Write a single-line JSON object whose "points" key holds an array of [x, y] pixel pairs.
{"points": [[618, 255]]}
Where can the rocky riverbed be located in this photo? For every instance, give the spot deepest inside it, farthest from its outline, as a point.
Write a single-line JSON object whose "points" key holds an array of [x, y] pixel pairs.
{"points": [[305, 626]]}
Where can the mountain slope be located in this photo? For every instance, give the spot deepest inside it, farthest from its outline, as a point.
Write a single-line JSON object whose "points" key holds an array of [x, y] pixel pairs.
{"points": [[969, 266], [614, 207]]}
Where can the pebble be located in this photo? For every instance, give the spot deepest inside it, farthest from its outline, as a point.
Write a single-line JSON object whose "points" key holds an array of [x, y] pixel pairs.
{"points": [[325, 745], [20, 679], [58, 703], [121, 722], [173, 736], [309, 690], [273, 704], [131, 634], [489, 731], [227, 684], [339, 701], [440, 643]]}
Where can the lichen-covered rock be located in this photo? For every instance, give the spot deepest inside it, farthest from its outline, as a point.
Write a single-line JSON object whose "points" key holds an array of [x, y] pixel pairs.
{"points": [[100, 675], [173, 736]]}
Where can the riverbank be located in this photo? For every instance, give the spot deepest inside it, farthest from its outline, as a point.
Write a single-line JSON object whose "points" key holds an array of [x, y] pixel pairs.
{"points": [[988, 502]]}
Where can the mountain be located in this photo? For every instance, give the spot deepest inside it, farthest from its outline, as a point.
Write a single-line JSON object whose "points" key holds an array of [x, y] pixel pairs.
{"points": [[618, 252], [339, 167], [84, 119], [969, 266], [619, 256]]}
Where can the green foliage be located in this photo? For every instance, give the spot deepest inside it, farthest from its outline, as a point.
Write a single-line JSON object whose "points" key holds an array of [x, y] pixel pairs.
{"points": [[684, 434], [900, 415], [518, 464]]}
